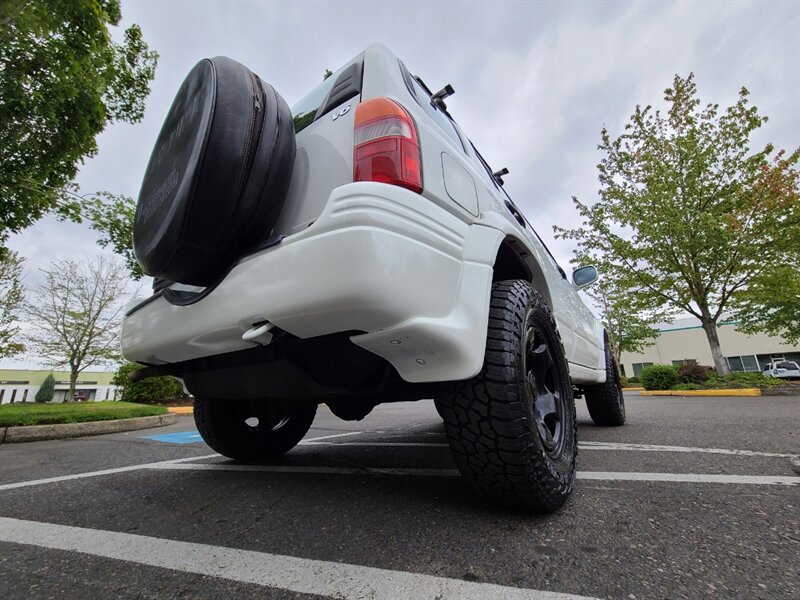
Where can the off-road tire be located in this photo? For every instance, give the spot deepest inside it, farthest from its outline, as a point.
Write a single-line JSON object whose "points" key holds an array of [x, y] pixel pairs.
{"points": [[606, 401], [490, 420], [223, 425]]}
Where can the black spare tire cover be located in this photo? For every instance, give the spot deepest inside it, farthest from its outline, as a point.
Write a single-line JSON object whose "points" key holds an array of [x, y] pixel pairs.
{"points": [[218, 175]]}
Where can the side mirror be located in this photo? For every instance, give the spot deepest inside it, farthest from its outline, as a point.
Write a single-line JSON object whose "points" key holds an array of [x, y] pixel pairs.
{"points": [[584, 276]]}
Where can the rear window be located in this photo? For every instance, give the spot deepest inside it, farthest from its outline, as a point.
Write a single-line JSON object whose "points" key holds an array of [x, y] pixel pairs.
{"points": [[305, 111], [335, 88]]}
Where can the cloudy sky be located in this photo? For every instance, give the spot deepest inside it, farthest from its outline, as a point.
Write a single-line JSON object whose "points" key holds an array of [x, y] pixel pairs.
{"points": [[535, 81]]}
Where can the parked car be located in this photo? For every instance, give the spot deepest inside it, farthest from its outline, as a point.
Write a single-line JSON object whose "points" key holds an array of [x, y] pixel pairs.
{"points": [[356, 249], [785, 369]]}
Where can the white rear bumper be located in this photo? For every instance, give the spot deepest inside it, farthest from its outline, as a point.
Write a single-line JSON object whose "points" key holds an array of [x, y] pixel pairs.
{"points": [[379, 259]]}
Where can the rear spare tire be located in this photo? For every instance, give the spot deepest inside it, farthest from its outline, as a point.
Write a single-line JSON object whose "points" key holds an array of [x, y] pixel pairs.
{"points": [[218, 175]]}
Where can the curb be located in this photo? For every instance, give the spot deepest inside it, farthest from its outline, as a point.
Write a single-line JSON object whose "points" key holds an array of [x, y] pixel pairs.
{"points": [[35, 433], [633, 389], [781, 391], [737, 392], [181, 410]]}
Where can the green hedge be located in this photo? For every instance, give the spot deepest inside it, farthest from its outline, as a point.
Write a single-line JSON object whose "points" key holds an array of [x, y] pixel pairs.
{"points": [[659, 377]]}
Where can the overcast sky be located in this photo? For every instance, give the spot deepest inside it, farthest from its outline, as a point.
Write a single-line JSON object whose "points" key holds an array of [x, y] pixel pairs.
{"points": [[535, 81]]}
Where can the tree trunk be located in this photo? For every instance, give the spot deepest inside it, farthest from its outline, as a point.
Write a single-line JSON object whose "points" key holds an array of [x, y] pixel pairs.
{"points": [[73, 378], [710, 327]]}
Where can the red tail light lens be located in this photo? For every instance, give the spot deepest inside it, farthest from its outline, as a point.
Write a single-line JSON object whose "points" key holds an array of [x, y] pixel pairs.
{"points": [[386, 146]]}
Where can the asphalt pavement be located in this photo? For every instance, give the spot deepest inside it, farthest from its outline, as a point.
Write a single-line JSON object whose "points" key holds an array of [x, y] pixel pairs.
{"points": [[692, 498]]}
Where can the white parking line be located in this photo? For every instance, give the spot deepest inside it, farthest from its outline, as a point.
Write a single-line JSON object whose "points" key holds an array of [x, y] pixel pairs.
{"points": [[299, 575], [32, 482], [328, 437], [690, 478], [379, 444], [690, 449], [595, 475], [312, 470], [581, 446], [182, 464], [22, 484]]}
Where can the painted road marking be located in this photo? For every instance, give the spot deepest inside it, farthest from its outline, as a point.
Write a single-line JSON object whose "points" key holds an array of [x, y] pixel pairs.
{"points": [[655, 448], [188, 437], [380, 444], [294, 574], [329, 437], [690, 478], [22, 484], [194, 437], [182, 437], [593, 475]]}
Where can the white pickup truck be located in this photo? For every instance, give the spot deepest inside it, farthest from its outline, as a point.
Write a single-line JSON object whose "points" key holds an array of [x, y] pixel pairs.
{"points": [[354, 250]]}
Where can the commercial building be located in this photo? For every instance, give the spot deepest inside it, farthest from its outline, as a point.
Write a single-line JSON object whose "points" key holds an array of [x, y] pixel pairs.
{"points": [[685, 341], [21, 385]]}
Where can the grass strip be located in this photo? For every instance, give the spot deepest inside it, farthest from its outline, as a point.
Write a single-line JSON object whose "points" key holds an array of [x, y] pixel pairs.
{"points": [[73, 412]]}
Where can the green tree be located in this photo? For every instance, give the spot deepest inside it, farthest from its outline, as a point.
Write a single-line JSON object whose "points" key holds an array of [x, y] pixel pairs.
{"points": [[63, 79], [629, 325], [688, 216], [771, 301], [112, 215], [77, 313], [11, 299], [147, 391], [46, 390]]}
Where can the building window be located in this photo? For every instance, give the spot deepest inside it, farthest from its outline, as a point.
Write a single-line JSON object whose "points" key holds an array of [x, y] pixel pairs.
{"points": [[684, 361], [637, 367], [747, 362]]}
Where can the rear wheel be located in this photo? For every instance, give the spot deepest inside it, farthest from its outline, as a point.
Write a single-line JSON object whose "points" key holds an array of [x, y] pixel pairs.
{"points": [[605, 401], [512, 427], [252, 431]]}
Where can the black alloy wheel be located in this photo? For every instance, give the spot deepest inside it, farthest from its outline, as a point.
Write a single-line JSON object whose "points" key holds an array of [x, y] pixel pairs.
{"points": [[547, 404]]}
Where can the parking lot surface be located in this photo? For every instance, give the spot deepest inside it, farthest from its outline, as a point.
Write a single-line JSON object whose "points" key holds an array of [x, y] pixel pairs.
{"points": [[694, 497]]}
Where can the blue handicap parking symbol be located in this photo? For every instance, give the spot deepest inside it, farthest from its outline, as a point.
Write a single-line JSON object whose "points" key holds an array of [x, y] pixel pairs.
{"points": [[183, 437]]}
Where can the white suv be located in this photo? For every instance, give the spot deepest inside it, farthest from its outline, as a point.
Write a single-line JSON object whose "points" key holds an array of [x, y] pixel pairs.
{"points": [[356, 250]]}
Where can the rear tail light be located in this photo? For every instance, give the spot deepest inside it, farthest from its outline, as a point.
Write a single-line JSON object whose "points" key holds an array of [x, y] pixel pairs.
{"points": [[386, 146]]}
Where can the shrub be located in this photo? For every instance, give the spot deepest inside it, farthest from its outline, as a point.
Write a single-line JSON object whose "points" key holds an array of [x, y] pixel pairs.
{"points": [[623, 380], [694, 373], [740, 379], [47, 389], [634, 379], [687, 386], [659, 377], [153, 390]]}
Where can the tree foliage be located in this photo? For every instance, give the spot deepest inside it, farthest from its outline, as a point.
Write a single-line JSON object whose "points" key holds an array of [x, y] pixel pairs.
{"points": [[46, 390], [62, 80], [77, 313], [152, 390], [11, 299], [629, 325], [111, 215], [688, 217]]}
